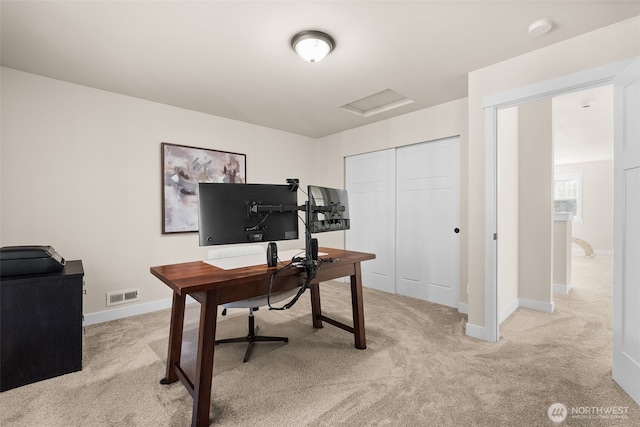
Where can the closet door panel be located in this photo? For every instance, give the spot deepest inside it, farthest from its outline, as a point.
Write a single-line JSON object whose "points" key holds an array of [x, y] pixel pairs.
{"points": [[370, 182], [427, 255]]}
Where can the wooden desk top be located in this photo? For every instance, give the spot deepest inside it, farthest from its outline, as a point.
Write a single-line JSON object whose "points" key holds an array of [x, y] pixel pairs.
{"points": [[197, 276]]}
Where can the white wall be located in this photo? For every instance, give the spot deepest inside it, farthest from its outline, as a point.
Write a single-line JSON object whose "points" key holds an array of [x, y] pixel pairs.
{"points": [[81, 172], [603, 46], [597, 204]]}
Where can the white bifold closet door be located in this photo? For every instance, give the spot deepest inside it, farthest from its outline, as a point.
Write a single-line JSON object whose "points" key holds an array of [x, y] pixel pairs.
{"points": [[415, 234]]}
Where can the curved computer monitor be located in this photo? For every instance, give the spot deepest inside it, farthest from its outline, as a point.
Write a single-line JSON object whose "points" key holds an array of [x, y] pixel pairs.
{"points": [[328, 209], [246, 213]]}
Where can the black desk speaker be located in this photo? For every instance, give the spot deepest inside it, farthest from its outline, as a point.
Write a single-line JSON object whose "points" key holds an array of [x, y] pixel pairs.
{"points": [[272, 254]]}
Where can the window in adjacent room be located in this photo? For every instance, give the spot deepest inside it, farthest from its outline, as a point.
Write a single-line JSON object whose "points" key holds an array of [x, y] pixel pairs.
{"points": [[567, 194]]}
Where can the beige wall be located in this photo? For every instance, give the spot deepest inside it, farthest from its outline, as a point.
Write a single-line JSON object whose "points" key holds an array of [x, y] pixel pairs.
{"points": [[603, 46], [81, 172], [597, 204], [562, 253], [80, 167], [535, 218], [100, 153]]}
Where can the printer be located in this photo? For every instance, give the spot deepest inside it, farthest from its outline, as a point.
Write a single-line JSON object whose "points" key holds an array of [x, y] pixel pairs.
{"points": [[23, 260]]}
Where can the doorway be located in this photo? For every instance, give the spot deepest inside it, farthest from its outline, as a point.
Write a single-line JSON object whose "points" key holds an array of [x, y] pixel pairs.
{"points": [[555, 162], [583, 177], [625, 76], [493, 106]]}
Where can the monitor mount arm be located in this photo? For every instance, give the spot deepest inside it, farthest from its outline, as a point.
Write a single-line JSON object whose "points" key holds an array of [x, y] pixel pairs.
{"points": [[254, 208]]}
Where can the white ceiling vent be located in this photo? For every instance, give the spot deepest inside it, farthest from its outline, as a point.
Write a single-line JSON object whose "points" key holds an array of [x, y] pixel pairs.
{"points": [[377, 103]]}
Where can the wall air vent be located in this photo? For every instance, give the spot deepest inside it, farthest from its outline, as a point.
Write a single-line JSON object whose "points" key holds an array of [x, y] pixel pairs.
{"points": [[121, 297], [377, 103]]}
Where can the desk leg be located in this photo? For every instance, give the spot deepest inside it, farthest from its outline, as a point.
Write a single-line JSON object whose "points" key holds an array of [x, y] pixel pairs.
{"points": [[204, 362], [358, 308], [316, 310], [175, 338]]}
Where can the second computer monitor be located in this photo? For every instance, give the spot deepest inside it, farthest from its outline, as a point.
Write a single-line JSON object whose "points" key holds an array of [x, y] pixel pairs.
{"points": [[328, 209]]}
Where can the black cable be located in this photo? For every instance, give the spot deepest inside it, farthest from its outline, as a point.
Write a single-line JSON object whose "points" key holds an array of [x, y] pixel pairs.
{"points": [[255, 227], [310, 267], [272, 279]]}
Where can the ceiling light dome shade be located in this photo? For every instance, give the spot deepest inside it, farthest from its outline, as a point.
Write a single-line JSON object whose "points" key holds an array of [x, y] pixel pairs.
{"points": [[540, 27], [312, 46]]}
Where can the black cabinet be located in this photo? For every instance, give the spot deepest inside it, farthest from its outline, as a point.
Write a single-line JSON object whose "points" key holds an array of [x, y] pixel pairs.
{"points": [[40, 326]]}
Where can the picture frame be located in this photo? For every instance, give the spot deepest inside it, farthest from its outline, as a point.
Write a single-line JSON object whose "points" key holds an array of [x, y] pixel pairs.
{"points": [[183, 168]]}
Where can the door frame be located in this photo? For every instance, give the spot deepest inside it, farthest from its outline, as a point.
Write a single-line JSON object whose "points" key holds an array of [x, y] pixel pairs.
{"points": [[581, 80]]}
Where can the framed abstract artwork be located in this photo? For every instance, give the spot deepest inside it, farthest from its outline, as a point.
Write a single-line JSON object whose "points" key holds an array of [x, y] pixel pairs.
{"points": [[183, 167]]}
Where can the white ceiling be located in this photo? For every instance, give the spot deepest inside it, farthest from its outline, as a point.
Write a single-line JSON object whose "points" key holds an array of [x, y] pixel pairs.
{"points": [[583, 126], [233, 58]]}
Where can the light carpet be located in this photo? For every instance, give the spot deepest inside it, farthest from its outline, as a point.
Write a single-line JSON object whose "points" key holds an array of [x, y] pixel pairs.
{"points": [[419, 368]]}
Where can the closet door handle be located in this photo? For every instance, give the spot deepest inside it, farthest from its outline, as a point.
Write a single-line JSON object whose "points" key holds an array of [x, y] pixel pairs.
{"points": [[456, 230]]}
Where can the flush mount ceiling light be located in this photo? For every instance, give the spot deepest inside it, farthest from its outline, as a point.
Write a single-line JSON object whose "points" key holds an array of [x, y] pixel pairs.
{"points": [[311, 45], [540, 27]]}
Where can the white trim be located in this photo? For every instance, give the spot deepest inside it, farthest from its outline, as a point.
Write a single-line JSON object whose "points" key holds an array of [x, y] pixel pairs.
{"points": [[508, 310], [526, 303], [491, 227], [562, 289], [593, 77], [475, 331], [463, 308], [563, 216], [545, 307], [133, 310]]}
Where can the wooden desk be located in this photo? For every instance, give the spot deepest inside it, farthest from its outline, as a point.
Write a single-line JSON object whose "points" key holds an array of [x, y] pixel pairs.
{"points": [[212, 286]]}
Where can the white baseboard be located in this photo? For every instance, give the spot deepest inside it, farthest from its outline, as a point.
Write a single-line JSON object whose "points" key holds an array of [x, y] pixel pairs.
{"points": [[508, 310], [463, 308], [562, 289], [478, 332], [525, 303], [545, 307], [133, 310]]}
